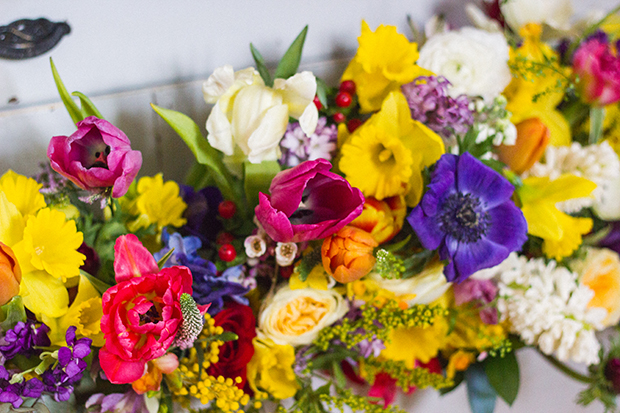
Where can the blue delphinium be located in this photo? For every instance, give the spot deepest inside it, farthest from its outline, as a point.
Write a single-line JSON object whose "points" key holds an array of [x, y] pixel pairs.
{"points": [[467, 213]]}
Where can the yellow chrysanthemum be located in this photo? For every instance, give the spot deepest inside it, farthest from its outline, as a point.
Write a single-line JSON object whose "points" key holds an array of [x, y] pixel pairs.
{"points": [[156, 202], [23, 192], [386, 155], [561, 232], [52, 242], [525, 85], [385, 60]]}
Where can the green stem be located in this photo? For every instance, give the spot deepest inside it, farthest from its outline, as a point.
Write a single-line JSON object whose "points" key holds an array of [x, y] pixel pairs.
{"points": [[567, 370], [597, 114]]}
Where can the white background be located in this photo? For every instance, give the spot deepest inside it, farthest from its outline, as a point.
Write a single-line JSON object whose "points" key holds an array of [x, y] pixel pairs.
{"points": [[127, 54]]}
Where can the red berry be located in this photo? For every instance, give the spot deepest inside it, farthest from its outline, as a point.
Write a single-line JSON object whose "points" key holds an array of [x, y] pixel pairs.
{"points": [[286, 272], [343, 100], [224, 238], [227, 209], [317, 103], [227, 252], [353, 124], [339, 117], [348, 86]]}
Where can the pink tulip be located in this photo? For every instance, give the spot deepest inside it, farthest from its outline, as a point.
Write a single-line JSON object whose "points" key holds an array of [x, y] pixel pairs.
{"points": [[96, 156], [308, 202], [597, 64]]}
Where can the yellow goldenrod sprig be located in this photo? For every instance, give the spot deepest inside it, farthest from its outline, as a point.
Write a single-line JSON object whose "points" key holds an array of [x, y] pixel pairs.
{"points": [[405, 378]]}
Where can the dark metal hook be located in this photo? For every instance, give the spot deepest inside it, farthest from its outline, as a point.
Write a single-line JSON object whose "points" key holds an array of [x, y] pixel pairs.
{"points": [[27, 38]]}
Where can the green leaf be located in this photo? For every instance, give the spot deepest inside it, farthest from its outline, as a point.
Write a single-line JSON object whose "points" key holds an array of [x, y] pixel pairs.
{"points": [[416, 263], [480, 393], [70, 105], [503, 375], [12, 313], [290, 61], [396, 246], [227, 336], [99, 285], [205, 154], [257, 179], [308, 262], [261, 66], [321, 92], [341, 380], [88, 107], [162, 260]]}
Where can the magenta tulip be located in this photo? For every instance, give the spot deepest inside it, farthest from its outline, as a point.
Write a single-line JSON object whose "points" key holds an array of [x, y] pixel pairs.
{"points": [[308, 202], [598, 66], [95, 157]]}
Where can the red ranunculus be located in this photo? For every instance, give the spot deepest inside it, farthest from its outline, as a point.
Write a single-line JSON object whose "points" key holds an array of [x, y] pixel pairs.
{"points": [[235, 355], [141, 314]]}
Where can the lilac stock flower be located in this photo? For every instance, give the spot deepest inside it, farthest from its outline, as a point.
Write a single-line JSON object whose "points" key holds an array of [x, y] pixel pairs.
{"points": [[480, 291], [201, 212], [467, 213], [298, 147], [95, 157], [129, 402], [308, 202], [430, 104], [13, 392], [71, 365], [22, 339]]}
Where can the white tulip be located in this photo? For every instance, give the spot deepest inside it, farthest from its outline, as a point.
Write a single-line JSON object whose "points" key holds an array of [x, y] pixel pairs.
{"points": [[555, 13]]}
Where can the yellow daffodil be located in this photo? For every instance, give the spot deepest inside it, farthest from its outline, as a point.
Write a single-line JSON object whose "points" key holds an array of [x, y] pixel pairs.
{"points": [[561, 232], [525, 85], [317, 279], [154, 202], [22, 192], [385, 60], [271, 369], [84, 313], [386, 155]]}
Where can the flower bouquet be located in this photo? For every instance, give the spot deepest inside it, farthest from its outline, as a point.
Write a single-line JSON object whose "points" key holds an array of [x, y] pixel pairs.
{"points": [[452, 200]]}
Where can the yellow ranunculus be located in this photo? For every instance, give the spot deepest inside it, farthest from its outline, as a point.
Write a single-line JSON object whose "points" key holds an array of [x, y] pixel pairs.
{"points": [[386, 155], [560, 231], [521, 91], [600, 270], [271, 369], [385, 60]]}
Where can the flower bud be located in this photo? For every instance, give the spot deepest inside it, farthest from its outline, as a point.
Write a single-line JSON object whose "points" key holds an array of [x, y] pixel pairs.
{"points": [[348, 255], [612, 373], [10, 274], [532, 139], [383, 219]]}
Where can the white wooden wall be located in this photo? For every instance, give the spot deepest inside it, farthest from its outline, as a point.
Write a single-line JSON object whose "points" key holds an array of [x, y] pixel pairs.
{"points": [[125, 54]]}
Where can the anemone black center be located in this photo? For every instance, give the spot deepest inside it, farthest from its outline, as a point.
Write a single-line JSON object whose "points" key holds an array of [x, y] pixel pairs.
{"points": [[463, 218]]}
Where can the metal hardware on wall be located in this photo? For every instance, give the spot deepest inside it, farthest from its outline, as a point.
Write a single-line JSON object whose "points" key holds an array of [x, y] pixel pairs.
{"points": [[27, 38]]}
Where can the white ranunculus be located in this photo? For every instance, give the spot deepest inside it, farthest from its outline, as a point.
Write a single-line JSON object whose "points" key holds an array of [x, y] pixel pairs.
{"points": [[474, 61], [249, 119], [608, 207], [423, 288], [296, 317], [555, 13]]}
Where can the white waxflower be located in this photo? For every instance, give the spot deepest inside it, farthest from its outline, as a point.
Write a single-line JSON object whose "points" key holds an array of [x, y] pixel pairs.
{"points": [[546, 306], [255, 246], [474, 61], [285, 253], [597, 163]]}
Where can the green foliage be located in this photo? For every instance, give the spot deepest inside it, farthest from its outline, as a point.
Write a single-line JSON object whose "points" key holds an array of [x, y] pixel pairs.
{"points": [[257, 178], [406, 378], [99, 285], [345, 397], [12, 312], [388, 266], [308, 262], [601, 388], [290, 61], [261, 66], [528, 69], [77, 114], [503, 375], [480, 393]]}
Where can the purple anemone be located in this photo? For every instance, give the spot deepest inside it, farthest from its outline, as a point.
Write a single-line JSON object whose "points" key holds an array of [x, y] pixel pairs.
{"points": [[467, 213], [308, 202]]}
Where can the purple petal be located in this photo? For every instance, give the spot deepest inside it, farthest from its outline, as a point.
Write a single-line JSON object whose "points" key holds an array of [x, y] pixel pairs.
{"points": [[82, 348], [474, 177], [64, 356], [33, 388], [70, 335], [507, 226], [111, 401], [478, 255], [426, 228]]}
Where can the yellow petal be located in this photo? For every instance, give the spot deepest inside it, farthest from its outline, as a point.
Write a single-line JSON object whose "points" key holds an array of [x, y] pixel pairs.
{"points": [[11, 222], [23, 192], [44, 294]]}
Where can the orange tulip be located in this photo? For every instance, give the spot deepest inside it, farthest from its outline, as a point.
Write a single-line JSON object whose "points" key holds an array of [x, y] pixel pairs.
{"points": [[151, 380], [383, 219], [348, 255], [532, 140], [10, 274]]}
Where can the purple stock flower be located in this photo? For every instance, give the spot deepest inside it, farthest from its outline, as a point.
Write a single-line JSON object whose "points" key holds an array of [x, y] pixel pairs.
{"points": [[467, 213], [298, 147], [22, 339], [480, 291], [612, 240], [129, 402], [201, 212], [13, 392], [95, 157], [430, 104], [308, 202]]}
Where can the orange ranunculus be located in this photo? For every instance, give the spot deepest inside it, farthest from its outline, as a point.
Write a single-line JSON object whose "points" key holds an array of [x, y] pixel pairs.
{"points": [[151, 380], [532, 139], [383, 219], [347, 255], [10, 274]]}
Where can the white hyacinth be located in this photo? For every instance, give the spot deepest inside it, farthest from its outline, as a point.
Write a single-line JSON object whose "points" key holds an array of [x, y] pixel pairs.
{"points": [[545, 305], [598, 163]]}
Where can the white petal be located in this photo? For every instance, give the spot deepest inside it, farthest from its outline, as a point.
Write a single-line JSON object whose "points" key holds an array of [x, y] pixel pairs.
{"points": [[263, 142], [297, 92], [308, 120], [218, 83], [219, 131], [480, 20]]}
